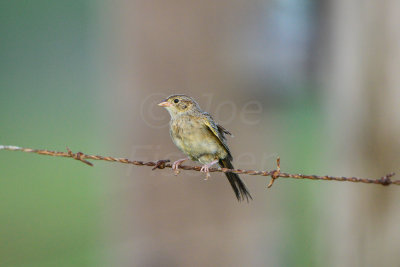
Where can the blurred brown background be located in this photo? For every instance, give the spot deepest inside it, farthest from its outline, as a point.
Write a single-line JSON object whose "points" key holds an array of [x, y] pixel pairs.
{"points": [[315, 82]]}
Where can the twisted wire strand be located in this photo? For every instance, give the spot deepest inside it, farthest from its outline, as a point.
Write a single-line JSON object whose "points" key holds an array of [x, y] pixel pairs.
{"points": [[161, 164]]}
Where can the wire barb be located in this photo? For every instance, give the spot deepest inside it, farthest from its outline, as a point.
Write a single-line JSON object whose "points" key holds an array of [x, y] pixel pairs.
{"points": [[275, 173], [162, 164], [79, 156]]}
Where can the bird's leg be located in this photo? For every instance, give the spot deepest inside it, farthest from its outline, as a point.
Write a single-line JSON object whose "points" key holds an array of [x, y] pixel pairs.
{"points": [[176, 164], [206, 168]]}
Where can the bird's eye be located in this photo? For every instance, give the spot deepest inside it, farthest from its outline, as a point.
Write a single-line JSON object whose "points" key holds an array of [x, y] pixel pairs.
{"points": [[176, 100]]}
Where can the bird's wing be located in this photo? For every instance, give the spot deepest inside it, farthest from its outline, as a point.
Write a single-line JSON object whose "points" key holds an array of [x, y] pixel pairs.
{"points": [[217, 130], [223, 130]]}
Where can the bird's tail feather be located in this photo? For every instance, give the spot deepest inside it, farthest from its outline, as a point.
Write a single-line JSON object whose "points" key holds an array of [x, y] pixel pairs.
{"points": [[237, 184]]}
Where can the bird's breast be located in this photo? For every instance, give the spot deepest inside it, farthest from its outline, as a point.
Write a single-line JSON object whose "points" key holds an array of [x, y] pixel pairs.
{"points": [[193, 138]]}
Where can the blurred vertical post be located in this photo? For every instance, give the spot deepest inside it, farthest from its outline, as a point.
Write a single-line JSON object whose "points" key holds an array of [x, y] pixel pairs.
{"points": [[162, 48], [362, 99]]}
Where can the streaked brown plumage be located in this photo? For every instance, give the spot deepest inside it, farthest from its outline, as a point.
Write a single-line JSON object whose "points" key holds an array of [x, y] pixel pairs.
{"points": [[196, 134]]}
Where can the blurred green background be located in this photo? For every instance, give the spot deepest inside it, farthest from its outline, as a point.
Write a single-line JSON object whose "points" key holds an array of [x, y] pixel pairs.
{"points": [[315, 82], [49, 208]]}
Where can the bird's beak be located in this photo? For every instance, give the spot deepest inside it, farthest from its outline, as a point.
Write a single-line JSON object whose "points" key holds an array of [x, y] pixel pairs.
{"points": [[165, 104]]}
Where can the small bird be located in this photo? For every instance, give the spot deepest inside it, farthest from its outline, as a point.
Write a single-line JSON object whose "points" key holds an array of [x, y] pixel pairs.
{"points": [[196, 134]]}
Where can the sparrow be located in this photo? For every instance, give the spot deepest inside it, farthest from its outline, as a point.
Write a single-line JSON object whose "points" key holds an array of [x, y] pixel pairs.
{"points": [[201, 139]]}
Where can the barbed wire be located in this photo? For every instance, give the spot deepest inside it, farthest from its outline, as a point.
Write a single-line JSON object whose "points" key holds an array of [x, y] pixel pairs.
{"points": [[162, 164]]}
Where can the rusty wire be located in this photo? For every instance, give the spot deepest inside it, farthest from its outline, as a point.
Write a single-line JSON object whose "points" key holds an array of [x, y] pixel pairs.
{"points": [[161, 164]]}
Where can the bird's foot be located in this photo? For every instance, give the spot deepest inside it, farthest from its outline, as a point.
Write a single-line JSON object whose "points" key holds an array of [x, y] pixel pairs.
{"points": [[206, 169], [176, 164]]}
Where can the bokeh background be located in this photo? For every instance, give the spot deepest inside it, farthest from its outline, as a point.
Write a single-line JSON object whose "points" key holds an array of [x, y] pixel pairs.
{"points": [[315, 82]]}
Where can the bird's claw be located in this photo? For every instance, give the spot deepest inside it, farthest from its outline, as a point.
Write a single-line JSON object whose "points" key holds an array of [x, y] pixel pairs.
{"points": [[175, 168], [176, 164], [206, 170]]}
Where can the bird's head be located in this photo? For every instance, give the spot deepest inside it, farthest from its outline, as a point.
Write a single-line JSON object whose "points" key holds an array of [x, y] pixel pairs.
{"points": [[179, 104]]}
